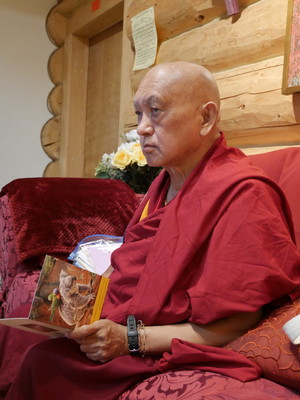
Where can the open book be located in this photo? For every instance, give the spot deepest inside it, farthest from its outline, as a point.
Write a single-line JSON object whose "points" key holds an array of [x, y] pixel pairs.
{"points": [[68, 295]]}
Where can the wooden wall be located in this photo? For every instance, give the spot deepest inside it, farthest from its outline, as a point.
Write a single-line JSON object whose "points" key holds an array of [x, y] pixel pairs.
{"points": [[244, 52]]}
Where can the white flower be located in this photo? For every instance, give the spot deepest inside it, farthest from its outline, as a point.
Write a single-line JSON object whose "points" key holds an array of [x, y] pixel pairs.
{"points": [[132, 136], [125, 146], [107, 159]]}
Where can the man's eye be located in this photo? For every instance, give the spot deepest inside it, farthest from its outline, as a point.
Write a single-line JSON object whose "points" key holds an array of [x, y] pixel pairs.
{"points": [[154, 110], [139, 116]]}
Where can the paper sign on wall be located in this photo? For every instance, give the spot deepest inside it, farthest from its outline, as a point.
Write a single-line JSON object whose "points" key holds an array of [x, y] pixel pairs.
{"points": [[145, 39]]}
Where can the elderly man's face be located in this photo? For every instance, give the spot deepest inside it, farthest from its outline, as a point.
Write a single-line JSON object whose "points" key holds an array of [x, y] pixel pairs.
{"points": [[168, 124]]}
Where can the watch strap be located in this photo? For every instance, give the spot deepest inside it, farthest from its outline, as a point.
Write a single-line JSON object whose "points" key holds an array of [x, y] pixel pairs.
{"points": [[132, 334]]}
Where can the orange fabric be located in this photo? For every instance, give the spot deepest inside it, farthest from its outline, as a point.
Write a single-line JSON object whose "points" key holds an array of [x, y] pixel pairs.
{"points": [[145, 211]]}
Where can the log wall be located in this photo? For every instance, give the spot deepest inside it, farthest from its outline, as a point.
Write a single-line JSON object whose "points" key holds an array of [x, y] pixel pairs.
{"points": [[244, 52]]}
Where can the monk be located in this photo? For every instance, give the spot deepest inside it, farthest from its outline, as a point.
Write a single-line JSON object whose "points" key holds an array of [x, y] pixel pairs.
{"points": [[210, 246]]}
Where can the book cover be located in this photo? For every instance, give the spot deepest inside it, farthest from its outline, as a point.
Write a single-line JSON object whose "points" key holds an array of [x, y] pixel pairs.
{"points": [[66, 297]]}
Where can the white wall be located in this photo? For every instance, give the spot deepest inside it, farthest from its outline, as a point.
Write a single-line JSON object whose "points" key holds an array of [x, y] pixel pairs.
{"points": [[24, 86]]}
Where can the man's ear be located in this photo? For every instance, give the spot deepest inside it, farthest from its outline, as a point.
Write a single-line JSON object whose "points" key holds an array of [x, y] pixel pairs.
{"points": [[210, 117]]}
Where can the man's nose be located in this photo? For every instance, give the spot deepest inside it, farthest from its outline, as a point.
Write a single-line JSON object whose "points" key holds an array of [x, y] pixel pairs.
{"points": [[144, 126]]}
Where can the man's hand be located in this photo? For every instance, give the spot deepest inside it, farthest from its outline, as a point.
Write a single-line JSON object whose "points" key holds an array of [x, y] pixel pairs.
{"points": [[101, 341]]}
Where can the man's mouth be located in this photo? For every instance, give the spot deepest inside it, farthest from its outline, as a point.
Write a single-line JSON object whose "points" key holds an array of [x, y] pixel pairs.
{"points": [[148, 148]]}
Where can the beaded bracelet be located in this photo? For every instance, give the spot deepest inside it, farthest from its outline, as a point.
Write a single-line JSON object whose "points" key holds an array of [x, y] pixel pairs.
{"points": [[142, 338]]}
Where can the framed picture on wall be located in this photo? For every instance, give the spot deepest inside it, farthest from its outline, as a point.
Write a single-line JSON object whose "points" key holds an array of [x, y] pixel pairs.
{"points": [[291, 67]]}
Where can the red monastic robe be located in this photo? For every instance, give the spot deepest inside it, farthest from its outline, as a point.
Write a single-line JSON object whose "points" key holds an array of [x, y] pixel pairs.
{"points": [[223, 245]]}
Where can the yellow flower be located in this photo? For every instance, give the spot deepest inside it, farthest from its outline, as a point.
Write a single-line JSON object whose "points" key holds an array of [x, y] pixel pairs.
{"points": [[121, 159], [137, 155]]}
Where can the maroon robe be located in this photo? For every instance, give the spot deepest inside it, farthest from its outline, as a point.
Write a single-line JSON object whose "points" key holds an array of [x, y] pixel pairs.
{"points": [[224, 244]]}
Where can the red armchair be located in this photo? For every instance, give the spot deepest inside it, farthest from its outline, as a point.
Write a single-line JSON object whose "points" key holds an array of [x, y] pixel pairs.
{"points": [[41, 216]]}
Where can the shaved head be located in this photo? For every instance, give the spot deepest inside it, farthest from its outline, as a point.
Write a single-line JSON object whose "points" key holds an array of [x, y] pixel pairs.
{"points": [[190, 81]]}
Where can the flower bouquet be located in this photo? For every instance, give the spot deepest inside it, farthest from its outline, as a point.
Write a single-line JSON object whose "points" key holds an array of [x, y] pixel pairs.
{"points": [[128, 164]]}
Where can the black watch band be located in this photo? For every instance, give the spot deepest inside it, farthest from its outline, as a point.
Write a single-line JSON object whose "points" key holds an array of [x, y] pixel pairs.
{"points": [[133, 335]]}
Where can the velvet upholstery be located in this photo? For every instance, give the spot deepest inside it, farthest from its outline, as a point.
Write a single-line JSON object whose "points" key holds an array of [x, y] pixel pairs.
{"points": [[271, 349], [196, 385], [15, 342], [21, 292], [45, 212]]}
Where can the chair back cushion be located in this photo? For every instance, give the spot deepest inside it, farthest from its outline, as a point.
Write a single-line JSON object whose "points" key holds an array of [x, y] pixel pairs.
{"points": [[283, 166]]}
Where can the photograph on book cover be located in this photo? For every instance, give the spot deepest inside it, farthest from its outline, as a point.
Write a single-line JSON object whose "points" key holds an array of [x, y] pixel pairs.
{"points": [[291, 67], [65, 294]]}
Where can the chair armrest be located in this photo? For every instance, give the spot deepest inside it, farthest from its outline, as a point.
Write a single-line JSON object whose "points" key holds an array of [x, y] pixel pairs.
{"points": [[50, 215]]}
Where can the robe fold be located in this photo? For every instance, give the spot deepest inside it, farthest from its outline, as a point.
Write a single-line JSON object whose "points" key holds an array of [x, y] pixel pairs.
{"points": [[224, 244]]}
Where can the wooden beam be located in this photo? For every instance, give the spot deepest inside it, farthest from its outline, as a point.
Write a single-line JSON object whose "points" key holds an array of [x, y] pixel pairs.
{"points": [[127, 63], [54, 101], [281, 135], [50, 137], [56, 66], [87, 22], [74, 106]]}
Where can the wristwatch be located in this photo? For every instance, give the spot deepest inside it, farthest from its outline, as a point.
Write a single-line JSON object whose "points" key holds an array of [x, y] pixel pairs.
{"points": [[133, 335]]}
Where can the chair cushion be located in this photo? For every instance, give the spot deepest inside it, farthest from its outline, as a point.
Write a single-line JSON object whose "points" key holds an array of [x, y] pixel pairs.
{"points": [[196, 385], [271, 349]]}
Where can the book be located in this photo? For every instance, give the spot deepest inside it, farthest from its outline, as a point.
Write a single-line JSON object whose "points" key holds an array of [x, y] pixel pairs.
{"points": [[69, 295]]}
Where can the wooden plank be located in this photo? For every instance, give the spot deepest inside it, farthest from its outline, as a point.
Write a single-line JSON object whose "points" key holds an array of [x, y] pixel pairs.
{"points": [[54, 100], [261, 74], [127, 63], [74, 106], [50, 137], [56, 24], [282, 135], [87, 22], [177, 17], [52, 169], [263, 149], [103, 96], [68, 6], [56, 66], [262, 110], [296, 105], [257, 35], [251, 97], [129, 121]]}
